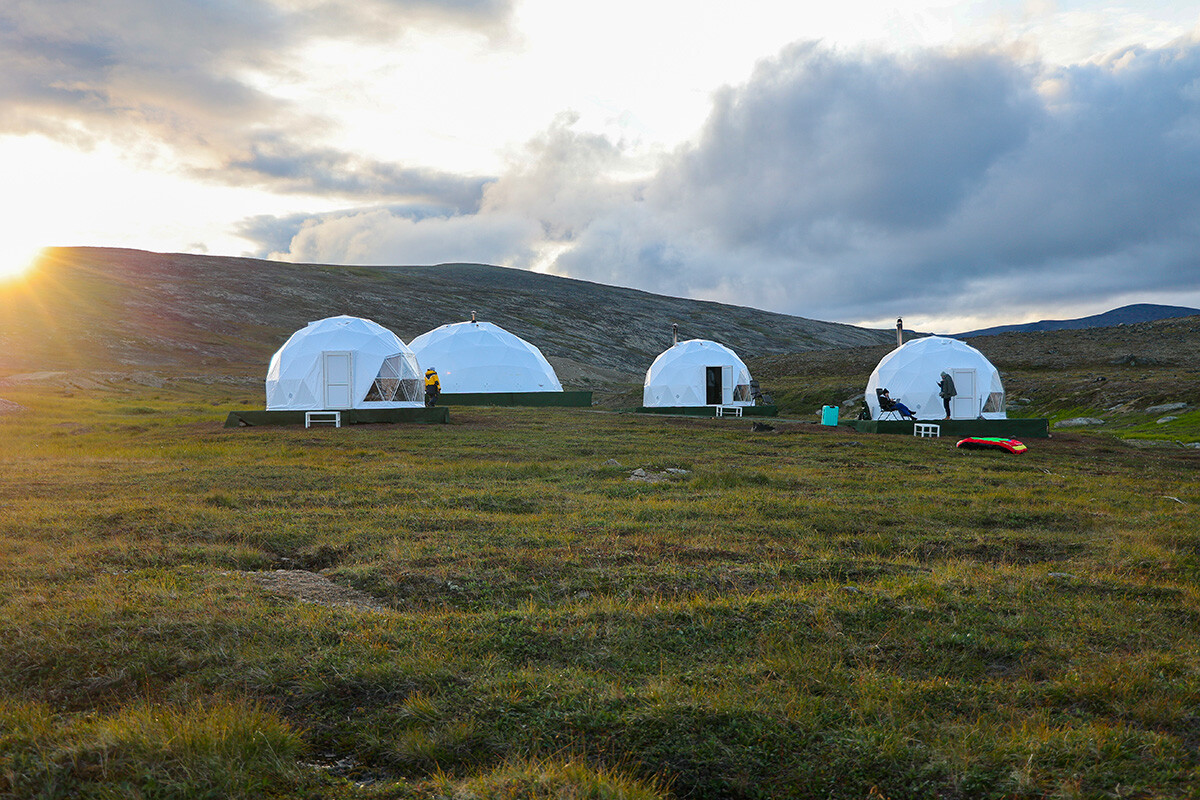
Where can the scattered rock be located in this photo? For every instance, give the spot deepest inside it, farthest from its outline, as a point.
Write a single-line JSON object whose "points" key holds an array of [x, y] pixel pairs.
{"points": [[850, 402], [649, 476], [761, 427], [1166, 419], [1062, 575], [612, 462], [1078, 422], [1166, 408]]}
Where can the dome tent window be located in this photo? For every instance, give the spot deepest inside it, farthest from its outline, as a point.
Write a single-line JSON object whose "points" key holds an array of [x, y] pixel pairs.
{"points": [[390, 384]]}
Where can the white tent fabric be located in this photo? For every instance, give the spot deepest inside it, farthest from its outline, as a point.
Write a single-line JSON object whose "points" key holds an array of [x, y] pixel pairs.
{"points": [[479, 357], [911, 373], [697, 372], [340, 363]]}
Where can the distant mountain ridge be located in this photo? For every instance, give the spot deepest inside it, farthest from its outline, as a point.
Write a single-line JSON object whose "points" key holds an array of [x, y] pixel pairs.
{"points": [[1125, 315], [124, 310]]}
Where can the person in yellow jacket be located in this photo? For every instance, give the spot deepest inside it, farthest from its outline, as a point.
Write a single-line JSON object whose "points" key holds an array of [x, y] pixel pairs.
{"points": [[433, 387]]}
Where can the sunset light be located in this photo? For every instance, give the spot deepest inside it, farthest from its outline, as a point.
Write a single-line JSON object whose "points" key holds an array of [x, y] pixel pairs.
{"points": [[16, 260]]}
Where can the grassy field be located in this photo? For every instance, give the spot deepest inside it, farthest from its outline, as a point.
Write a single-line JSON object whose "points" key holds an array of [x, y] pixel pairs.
{"points": [[804, 613]]}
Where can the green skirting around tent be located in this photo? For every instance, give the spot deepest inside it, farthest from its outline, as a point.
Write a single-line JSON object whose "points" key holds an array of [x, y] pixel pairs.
{"points": [[708, 411], [1032, 428], [532, 399], [352, 416]]}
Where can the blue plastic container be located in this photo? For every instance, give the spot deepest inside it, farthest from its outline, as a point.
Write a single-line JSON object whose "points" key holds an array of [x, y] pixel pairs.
{"points": [[829, 415]]}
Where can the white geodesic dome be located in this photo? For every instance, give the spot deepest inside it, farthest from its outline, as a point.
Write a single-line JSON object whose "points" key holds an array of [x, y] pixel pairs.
{"points": [[911, 373], [479, 357], [697, 373], [344, 362]]}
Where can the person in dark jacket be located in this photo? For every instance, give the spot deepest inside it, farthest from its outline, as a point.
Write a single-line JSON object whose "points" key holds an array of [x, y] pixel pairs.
{"points": [[947, 391], [886, 398]]}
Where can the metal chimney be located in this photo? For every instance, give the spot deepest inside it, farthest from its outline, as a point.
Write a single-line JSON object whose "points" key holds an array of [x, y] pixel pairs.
{"points": [[472, 316], [899, 331], [674, 333]]}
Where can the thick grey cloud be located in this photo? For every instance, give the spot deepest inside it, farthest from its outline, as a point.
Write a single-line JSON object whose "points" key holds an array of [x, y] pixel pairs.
{"points": [[172, 73], [854, 187], [849, 186]]}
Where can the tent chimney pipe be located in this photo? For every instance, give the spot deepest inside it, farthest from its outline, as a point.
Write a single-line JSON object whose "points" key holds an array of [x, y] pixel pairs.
{"points": [[472, 316], [899, 331], [674, 333]]}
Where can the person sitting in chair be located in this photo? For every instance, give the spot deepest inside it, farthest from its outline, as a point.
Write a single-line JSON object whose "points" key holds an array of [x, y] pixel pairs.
{"points": [[886, 403]]}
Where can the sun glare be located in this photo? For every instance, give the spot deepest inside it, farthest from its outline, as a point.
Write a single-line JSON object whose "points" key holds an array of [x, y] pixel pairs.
{"points": [[17, 261]]}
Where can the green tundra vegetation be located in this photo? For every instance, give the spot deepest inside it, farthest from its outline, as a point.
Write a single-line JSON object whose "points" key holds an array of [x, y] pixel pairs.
{"points": [[806, 612]]}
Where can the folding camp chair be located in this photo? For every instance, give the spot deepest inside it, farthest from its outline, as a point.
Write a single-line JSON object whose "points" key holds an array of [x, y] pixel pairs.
{"points": [[886, 406]]}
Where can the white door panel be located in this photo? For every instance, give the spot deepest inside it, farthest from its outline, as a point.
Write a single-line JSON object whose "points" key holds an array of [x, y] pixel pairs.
{"points": [[339, 379]]}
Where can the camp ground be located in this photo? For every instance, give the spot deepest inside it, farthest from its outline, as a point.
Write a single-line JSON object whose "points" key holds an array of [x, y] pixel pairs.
{"points": [[345, 369]]}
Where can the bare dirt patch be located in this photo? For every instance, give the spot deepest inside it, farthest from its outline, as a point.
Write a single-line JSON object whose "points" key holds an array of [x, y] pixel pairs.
{"points": [[310, 587]]}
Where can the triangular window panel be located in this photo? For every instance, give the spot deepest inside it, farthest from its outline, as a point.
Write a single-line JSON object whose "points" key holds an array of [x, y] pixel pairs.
{"points": [[383, 388]]}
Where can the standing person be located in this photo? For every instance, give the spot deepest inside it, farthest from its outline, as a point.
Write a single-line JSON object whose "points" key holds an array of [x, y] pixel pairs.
{"points": [[947, 391], [433, 387]]}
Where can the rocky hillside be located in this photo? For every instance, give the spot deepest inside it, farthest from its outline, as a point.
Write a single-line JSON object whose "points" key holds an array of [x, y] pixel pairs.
{"points": [[111, 309]]}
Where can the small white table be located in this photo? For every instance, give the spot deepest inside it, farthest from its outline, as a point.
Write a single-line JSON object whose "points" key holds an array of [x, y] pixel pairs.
{"points": [[322, 418], [927, 430]]}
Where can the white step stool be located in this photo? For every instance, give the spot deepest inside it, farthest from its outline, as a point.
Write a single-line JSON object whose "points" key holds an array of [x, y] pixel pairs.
{"points": [[322, 418]]}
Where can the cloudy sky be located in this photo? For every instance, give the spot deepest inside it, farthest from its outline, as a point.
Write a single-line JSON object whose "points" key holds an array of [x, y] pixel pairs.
{"points": [[954, 163]]}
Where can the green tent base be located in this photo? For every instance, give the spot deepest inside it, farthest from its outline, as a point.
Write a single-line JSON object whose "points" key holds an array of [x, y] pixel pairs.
{"points": [[1031, 428], [531, 399], [708, 411], [351, 416]]}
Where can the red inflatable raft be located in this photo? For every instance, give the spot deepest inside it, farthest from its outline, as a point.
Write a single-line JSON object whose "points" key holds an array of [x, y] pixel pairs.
{"points": [[987, 443]]}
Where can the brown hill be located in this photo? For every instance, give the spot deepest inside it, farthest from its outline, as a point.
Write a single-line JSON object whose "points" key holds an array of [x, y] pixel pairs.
{"points": [[106, 309]]}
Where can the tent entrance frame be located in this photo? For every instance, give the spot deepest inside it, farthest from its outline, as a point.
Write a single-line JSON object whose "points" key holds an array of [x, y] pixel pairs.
{"points": [[337, 379], [713, 394], [965, 404]]}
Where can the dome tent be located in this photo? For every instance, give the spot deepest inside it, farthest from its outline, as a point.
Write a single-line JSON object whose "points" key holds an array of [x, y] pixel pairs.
{"points": [[341, 363], [697, 372], [911, 373], [479, 357]]}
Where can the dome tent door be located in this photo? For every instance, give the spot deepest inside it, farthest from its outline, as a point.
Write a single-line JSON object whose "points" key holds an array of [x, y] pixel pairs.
{"points": [[337, 368], [718, 385], [965, 404]]}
